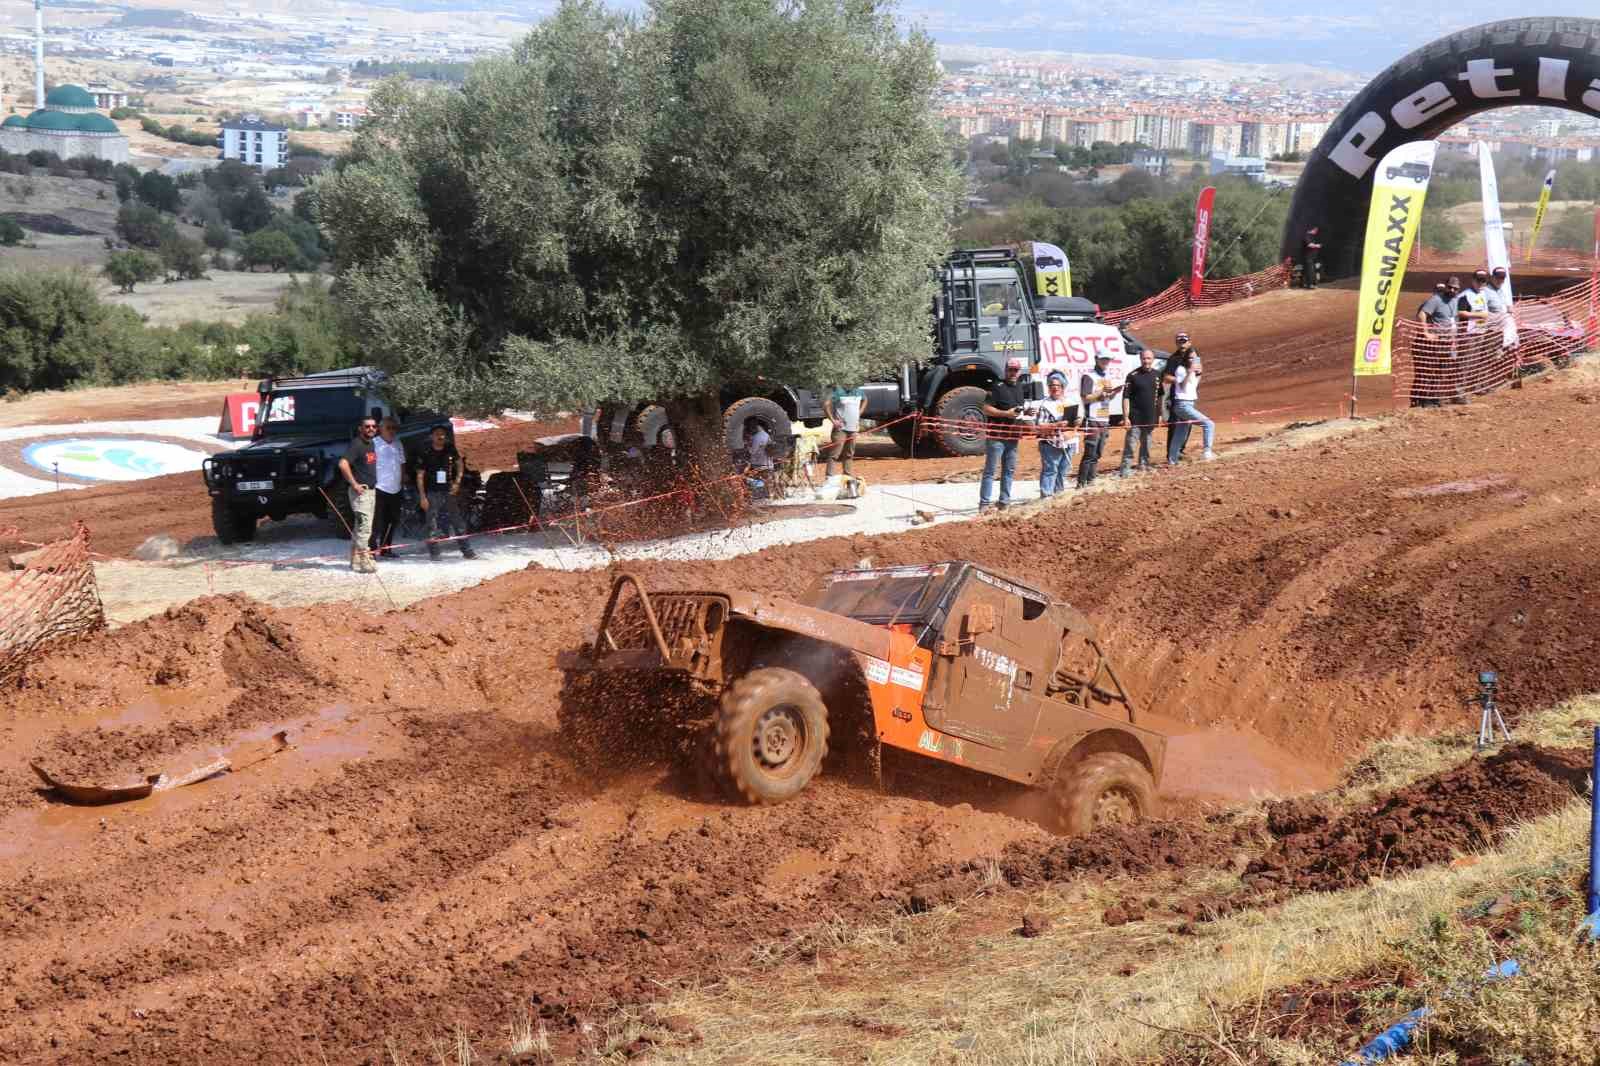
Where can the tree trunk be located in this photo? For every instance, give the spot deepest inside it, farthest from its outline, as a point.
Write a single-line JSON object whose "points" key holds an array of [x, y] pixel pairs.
{"points": [[703, 460]]}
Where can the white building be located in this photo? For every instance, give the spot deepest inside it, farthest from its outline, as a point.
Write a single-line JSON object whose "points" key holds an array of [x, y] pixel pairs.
{"points": [[256, 143], [349, 118], [107, 98]]}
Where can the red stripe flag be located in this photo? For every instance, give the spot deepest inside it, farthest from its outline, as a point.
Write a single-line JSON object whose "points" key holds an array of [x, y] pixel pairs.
{"points": [[1202, 237]]}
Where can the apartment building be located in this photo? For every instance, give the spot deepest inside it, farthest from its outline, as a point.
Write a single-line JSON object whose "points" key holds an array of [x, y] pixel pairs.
{"points": [[255, 143]]}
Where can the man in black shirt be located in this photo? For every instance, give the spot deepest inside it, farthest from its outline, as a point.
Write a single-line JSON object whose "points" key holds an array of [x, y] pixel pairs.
{"points": [[1141, 400], [359, 468], [1310, 248], [439, 469], [1001, 410]]}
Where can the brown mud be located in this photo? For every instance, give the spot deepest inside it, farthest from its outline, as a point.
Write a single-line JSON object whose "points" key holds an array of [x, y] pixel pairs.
{"points": [[427, 855]]}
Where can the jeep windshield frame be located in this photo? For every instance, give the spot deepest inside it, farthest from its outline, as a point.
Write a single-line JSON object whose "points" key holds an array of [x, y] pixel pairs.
{"points": [[885, 596], [321, 410]]}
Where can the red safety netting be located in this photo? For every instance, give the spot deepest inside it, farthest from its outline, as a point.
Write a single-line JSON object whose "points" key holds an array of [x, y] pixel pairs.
{"points": [[1214, 292], [1542, 259], [52, 595], [1435, 364]]}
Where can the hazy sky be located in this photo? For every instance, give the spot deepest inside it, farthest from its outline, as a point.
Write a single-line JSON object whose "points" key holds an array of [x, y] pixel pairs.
{"points": [[1357, 35]]}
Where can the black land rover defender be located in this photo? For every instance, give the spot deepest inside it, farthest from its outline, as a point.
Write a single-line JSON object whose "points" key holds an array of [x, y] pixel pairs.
{"points": [[291, 465]]}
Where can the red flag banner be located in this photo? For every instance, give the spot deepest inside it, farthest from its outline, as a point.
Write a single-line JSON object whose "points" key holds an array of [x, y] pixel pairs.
{"points": [[1202, 237]]}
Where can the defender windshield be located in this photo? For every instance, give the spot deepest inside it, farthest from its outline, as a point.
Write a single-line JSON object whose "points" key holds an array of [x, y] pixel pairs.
{"points": [[898, 594], [299, 410]]}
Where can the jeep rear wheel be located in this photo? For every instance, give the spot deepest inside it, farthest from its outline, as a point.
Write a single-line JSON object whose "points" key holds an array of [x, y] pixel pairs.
{"points": [[231, 526], [771, 735], [1103, 791], [962, 404]]}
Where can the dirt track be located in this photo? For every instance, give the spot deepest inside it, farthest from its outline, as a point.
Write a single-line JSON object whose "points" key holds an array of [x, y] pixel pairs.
{"points": [[426, 856]]}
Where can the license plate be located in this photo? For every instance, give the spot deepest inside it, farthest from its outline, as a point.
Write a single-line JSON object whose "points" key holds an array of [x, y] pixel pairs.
{"points": [[252, 486]]}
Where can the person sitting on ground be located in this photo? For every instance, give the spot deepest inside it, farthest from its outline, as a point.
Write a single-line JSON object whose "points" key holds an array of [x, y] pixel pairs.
{"points": [[757, 441], [1057, 442], [439, 470], [1002, 410]]}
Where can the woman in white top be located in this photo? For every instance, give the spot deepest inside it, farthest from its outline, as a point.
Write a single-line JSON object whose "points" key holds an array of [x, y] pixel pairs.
{"points": [[1057, 441]]}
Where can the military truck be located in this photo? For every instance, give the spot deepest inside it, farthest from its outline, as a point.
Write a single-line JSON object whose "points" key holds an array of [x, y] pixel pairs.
{"points": [[983, 316], [291, 465], [950, 664]]}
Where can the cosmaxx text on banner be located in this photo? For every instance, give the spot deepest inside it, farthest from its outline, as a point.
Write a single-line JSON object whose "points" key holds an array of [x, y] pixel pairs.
{"points": [[1400, 184]]}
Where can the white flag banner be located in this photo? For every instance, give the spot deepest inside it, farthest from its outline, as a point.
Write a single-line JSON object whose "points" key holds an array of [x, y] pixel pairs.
{"points": [[1494, 233]]}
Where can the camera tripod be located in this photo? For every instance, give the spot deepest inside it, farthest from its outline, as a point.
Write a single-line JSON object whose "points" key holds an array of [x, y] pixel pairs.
{"points": [[1487, 680]]}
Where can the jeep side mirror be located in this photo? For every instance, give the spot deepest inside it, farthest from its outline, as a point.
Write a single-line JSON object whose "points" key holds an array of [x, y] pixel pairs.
{"points": [[978, 620]]}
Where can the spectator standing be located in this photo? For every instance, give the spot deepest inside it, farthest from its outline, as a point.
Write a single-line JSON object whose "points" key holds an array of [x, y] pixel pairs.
{"points": [[1310, 248], [1098, 395], [1141, 404], [843, 408], [1002, 409], [1472, 318], [359, 468], [1057, 442], [1432, 347], [1185, 412], [391, 460], [1182, 352], [1497, 298], [439, 471]]}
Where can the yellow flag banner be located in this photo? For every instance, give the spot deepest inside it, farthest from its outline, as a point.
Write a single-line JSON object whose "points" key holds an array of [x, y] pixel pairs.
{"points": [[1399, 186], [1538, 215], [1052, 273]]}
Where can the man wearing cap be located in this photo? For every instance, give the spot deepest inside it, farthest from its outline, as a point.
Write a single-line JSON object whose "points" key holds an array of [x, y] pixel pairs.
{"points": [[1185, 413], [1432, 348], [1182, 352], [1472, 318], [1002, 410], [1097, 392], [1057, 442]]}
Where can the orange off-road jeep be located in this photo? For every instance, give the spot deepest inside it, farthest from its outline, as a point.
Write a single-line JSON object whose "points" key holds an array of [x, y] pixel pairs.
{"points": [[951, 661]]}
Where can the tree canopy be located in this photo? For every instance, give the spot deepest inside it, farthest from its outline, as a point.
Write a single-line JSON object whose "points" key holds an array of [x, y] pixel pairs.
{"points": [[638, 208]]}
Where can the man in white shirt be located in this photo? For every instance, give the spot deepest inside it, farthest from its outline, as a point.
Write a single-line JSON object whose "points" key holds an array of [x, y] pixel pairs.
{"points": [[391, 457], [1185, 413]]}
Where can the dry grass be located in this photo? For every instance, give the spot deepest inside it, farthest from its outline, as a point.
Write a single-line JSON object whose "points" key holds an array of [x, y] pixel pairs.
{"points": [[959, 985]]}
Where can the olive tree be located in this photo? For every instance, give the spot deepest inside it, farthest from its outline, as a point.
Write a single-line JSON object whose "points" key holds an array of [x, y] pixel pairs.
{"points": [[630, 208]]}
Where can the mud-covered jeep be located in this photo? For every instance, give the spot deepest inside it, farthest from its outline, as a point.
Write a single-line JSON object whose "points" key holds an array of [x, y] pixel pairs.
{"points": [[951, 662]]}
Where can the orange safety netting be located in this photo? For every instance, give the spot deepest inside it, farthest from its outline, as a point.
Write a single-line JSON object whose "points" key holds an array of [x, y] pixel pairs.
{"points": [[1213, 293], [1542, 259], [1458, 360], [52, 595]]}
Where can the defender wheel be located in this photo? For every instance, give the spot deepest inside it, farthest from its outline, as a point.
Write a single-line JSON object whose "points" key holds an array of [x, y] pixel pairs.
{"points": [[963, 404], [231, 526], [1103, 791], [771, 735]]}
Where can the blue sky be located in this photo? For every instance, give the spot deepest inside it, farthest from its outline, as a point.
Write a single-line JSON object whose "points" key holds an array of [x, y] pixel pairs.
{"points": [[1357, 35]]}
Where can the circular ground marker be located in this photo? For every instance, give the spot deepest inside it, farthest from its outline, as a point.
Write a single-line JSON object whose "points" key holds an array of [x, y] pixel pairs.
{"points": [[112, 458]]}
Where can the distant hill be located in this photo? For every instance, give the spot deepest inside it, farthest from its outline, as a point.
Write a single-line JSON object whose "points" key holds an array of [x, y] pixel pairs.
{"points": [[162, 18]]}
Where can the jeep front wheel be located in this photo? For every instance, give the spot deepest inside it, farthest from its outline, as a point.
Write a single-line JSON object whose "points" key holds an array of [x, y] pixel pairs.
{"points": [[231, 526], [771, 735], [1102, 791]]}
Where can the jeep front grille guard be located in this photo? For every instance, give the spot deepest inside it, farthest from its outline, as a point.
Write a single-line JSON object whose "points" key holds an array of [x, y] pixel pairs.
{"points": [[633, 633], [1078, 687]]}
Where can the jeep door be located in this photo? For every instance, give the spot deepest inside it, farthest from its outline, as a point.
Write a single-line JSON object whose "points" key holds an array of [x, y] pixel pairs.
{"points": [[983, 686]]}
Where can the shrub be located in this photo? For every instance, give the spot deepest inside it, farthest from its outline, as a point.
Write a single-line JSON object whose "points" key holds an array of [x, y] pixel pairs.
{"points": [[127, 269], [10, 232], [143, 226]]}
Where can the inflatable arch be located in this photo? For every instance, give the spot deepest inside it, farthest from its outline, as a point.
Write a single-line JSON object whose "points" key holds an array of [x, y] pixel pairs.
{"points": [[1546, 62]]}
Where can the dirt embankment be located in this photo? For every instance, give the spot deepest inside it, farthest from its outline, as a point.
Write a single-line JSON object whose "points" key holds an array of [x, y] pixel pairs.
{"points": [[427, 855]]}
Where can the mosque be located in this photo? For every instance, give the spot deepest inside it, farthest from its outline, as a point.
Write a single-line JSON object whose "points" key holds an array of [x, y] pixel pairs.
{"points": [[68, 124]]}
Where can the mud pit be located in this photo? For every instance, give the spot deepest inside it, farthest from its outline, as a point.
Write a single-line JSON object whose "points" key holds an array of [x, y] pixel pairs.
{"points": [[426, 856]]}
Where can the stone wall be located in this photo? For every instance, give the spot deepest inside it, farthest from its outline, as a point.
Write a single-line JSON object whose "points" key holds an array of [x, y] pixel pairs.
{"points": [[67, 145]]}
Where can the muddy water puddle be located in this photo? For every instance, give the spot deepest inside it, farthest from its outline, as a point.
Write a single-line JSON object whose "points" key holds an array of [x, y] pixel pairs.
{"points": [[332, 736]]}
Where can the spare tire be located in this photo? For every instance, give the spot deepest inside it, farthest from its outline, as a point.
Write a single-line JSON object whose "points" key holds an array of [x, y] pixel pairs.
{"points": [[755, 409]]}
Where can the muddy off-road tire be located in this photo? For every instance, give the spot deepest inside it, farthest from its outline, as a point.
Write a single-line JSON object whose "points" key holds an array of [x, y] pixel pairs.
{"points": [[756, 409], [1102, 791], [963, 404], [230, 526], [903, 434], [770, 737]]}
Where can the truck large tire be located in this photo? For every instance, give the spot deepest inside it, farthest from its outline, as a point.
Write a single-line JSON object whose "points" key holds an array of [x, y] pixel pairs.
{"points": [[648, 422], [1102, 791], [758, 409], [961, 404], [232, 527], [904, 433], [770, 737]]}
